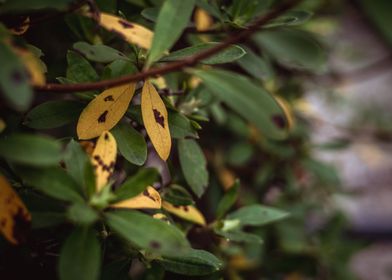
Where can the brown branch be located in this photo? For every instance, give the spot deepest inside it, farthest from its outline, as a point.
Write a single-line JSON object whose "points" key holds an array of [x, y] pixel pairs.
{"points": [[174, 66]]}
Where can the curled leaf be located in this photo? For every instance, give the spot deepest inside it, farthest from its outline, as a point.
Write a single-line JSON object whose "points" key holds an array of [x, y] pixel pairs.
{"points": [[154, 115], [104, 158], [104, 111], [148, 199], [22, 27], [131, 32], [14, 216], [188, 212]]}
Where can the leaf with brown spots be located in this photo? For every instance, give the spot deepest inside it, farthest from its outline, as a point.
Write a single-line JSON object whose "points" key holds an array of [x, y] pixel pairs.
{"points": [[189, 213], [104, 111], [131, 32], [104, 158], [14, 216], [148, 199], [154, 115]]}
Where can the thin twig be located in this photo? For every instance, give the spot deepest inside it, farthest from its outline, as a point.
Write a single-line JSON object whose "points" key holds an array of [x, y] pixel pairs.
{"points": [[174, 66]]}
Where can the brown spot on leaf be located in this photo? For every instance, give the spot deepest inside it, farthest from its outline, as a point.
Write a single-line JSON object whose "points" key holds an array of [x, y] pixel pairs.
{"points": [[159, 118], [279, 121], [17, 77], [106, 136], [186, 209], [21, 225], [108, 98], [102, 117], [147, 194], [125, 24], [155, 244]]}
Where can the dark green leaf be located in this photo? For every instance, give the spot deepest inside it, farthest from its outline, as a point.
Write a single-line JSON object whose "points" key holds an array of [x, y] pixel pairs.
{"points": [[53, 114], [131, 143], [290, 18], [14, 81], [172, 19], [54, 182], [193, 165], [180, 126], [293, 48], [240, 236], [256, 66], [30, 149], [256, 215], [177, 195], [46, 219], [227, 55], [248, 99], [79, 166], [240, 153], [98, 53], [79, 69], [151, 13], [119, 68], [148, 233], [80, 256], [22, 5], [137, 183], [193, 263], [228, 200], [82, 214]]}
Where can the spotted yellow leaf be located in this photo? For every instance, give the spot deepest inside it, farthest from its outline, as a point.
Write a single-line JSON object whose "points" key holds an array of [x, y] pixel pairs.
{"points": [[131, 32], [104, 158], [189, 212], [203, 20], [154, 115], [21, 28], [104, 111], [14, 216], [148, 199]]}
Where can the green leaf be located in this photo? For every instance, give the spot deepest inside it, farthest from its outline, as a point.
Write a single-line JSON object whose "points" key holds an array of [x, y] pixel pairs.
{"points": [[22, 5], [240, 236], [172, 19], [79, 69], [98, 53], [82, 214], [255, 65], [46, 219], [256, 215], [148, 233], [228, 200], [240, 153], [248, 99], [177, 195], [193, 263], [151, 13], [30, 149], [293, 47], [118, 68], [193, 165], [290, 18], [80, 256], [131, 143], [79, 166], [53, 181], [53, 114], [137, 183], [180, 126], [227, 55], [14, 81]]}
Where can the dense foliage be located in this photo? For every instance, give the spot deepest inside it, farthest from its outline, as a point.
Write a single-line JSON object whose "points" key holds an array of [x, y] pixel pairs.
{"points": [[174, 175]]}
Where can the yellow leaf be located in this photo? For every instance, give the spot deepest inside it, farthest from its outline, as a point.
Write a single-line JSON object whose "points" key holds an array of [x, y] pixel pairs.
{"points": [[22, 28], [161, 217], [203, 20], [14, 216], [131, 32], [34, 66], [149, 199], [104, 111], [104, 158], [287, 111], [189, 212], [154, 115]]}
